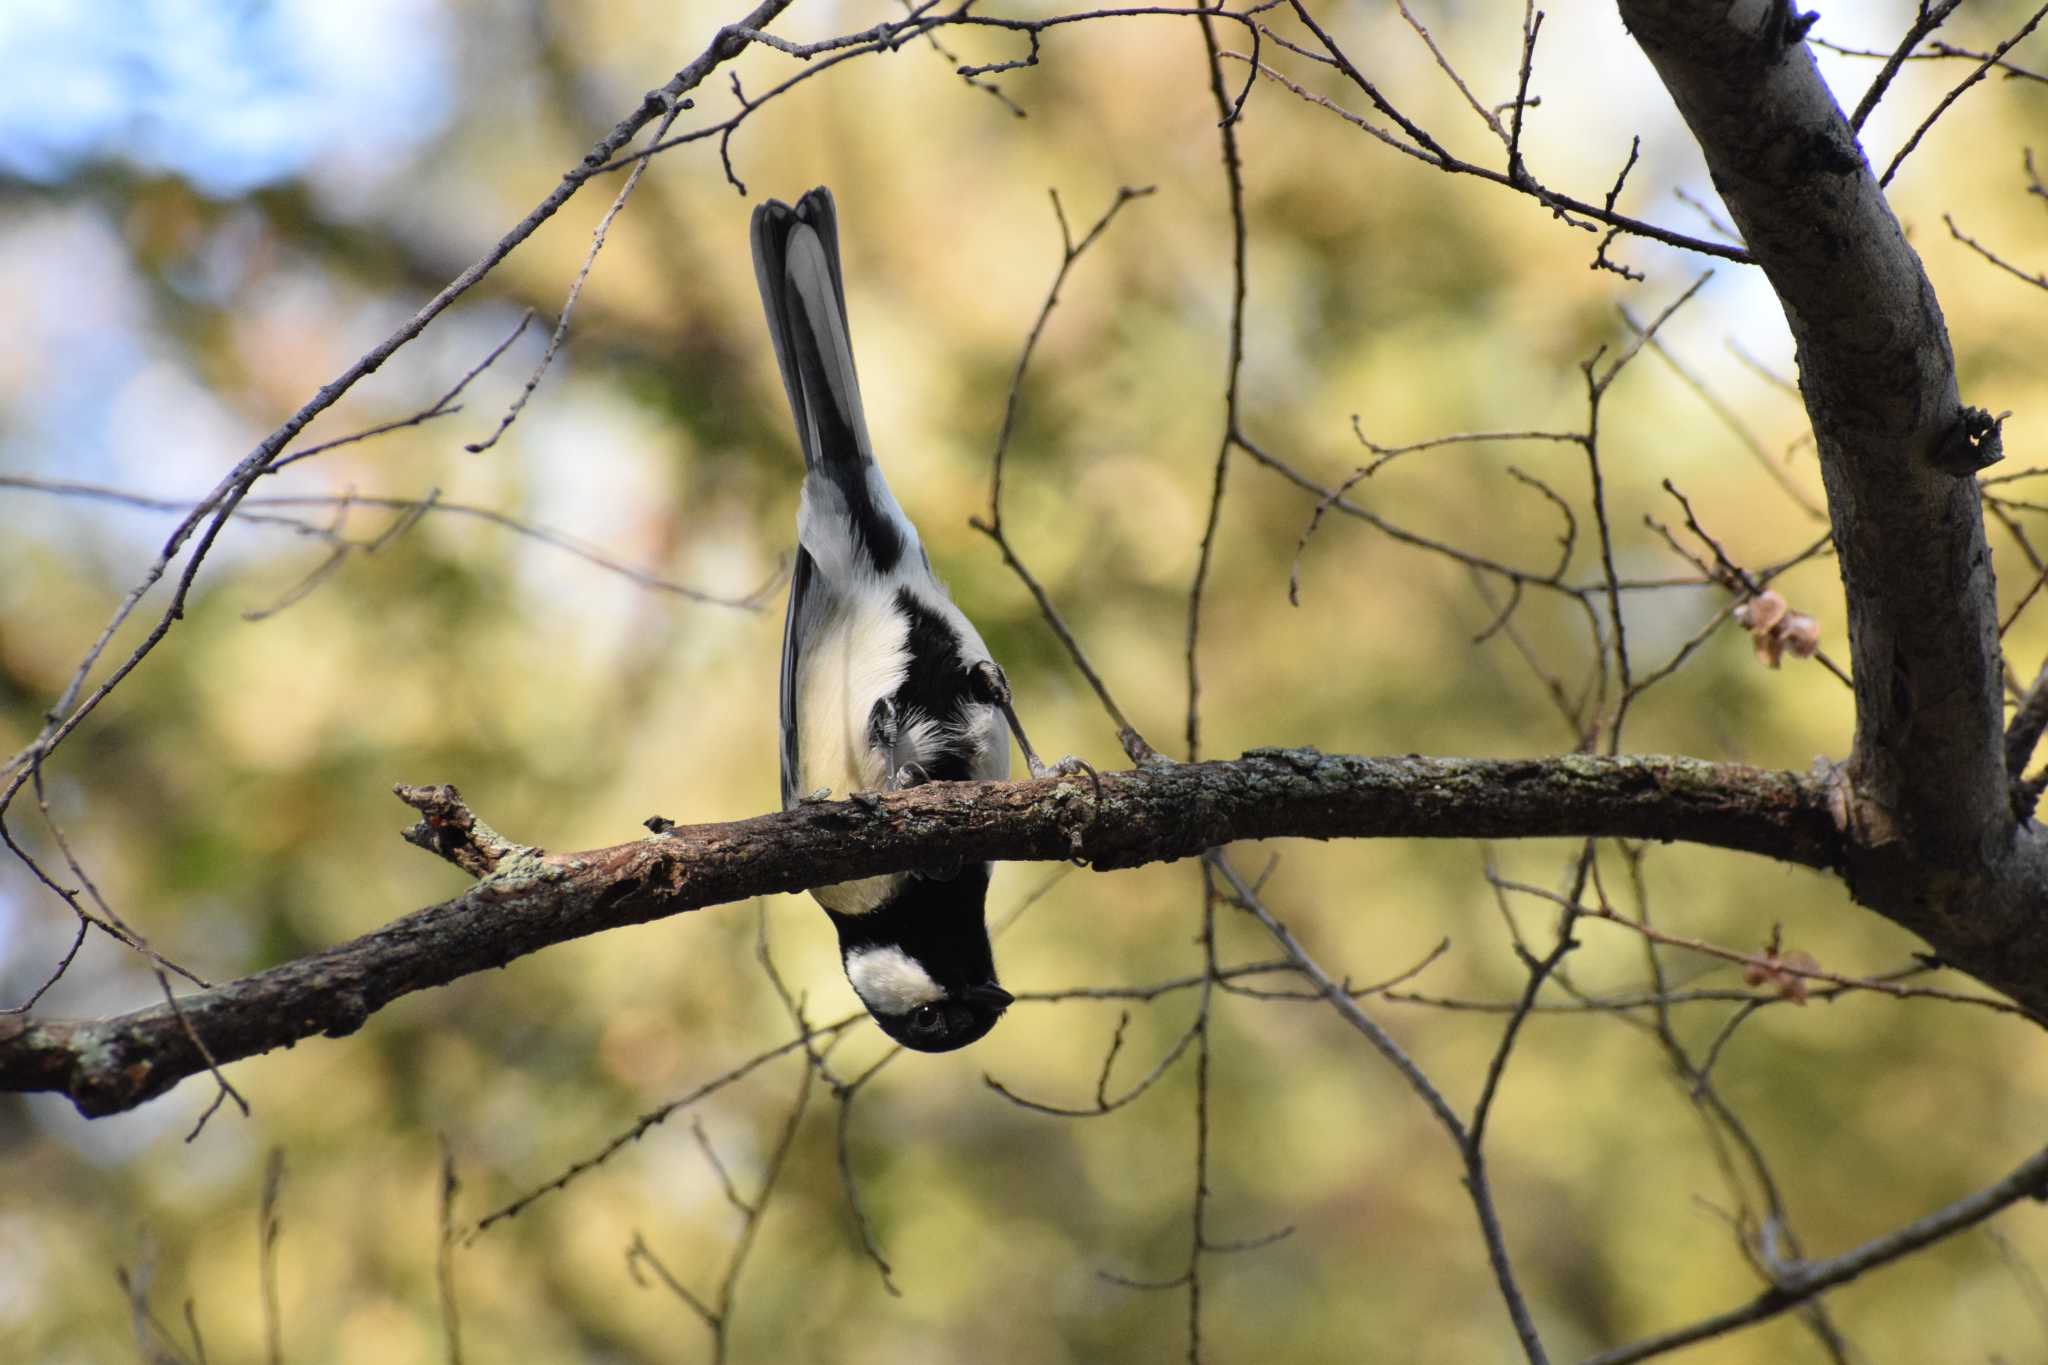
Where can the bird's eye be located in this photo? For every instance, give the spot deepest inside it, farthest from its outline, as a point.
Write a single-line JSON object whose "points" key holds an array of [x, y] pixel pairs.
{"points": [[926, 1018]]}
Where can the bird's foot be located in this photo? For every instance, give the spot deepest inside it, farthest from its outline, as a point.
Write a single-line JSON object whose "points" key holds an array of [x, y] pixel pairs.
{"points": [[1069, 766]]}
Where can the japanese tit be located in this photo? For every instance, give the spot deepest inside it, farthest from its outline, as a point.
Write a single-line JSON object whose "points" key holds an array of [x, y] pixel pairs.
{"points": [[885, 683]]}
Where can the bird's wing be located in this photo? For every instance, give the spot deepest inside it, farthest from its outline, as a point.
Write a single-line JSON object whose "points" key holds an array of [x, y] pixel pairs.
{"points": [[807, 607]]}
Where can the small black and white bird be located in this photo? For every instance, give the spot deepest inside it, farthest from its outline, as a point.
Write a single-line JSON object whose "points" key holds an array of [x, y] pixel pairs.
{"points": [[885, 683]]}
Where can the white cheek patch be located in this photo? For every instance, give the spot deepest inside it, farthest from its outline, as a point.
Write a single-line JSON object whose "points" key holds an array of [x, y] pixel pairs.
{"points": [[890, 981]]}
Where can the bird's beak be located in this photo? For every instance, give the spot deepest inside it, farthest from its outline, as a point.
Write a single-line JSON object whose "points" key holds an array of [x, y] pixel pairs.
{"points": [[988, 993]]}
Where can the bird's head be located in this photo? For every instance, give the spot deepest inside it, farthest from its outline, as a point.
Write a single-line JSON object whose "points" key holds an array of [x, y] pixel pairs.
{"points": [[922, 965]]}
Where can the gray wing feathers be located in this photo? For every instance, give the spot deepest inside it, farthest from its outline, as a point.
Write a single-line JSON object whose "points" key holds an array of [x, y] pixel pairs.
{"points": [[806, 605]]}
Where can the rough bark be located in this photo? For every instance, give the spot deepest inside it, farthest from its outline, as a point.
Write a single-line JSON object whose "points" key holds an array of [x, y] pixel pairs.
{"points": [[1938, 846], [528, 899]]}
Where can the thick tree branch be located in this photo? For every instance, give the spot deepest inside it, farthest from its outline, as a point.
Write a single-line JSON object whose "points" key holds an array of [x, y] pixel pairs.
{"points": [[1937, 845], [529, 899]]}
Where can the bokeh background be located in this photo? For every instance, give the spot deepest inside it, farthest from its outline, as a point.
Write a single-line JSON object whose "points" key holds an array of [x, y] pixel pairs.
{"points": [[207, 211]]}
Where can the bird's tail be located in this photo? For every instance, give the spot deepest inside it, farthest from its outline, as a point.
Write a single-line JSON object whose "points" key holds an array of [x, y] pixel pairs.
{"points": [[796, 261]]}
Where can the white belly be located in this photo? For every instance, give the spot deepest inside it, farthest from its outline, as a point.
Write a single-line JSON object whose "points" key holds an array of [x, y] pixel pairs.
{"points": [[856, 660]]}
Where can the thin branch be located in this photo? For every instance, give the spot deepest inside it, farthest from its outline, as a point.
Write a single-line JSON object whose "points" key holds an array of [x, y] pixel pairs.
{"points": [[639, 1254], [1802, 1281], [1936, 51], [1540, 971], [871, 1244], [1338, 500], [1518, 173], [1240, 233], [268, 1228], [1383, 455], [653, 1118], [1729, 418], [409, 510], [2039, 280], [153, 1340], [1773, 966], [1952, 96], [1134, 744], [561, 330], [1425, 148], [444, 406], [1736, 579], [1071, 251], [1425, 1089], [1925, 22], [718, 1315], [1104, 1104], [1600, 259], [890, 35], [444, 1257], [2023, 733], [1486, 116]]}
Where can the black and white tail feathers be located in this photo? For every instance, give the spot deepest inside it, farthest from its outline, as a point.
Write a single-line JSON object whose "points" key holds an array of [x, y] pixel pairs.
{"points": [[796, 261]]}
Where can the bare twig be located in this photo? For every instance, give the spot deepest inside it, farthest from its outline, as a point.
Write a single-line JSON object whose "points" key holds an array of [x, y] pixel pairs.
{"points": [[1952, 96], [1071, 251], [561, 330], [1935, 52], [1104, 1104], [1800, 1282], [444, 1257], [1600, 259], [1729, 418], [1925, 22], [2039, 279], [1423, 147], [843, 1145], [1486, 116], [717, 1314], [654, 1118], [1532, 24], [268, 1227], [1476, 1185], [1779, 967], [444, 406], [1134, 744], [1732, 576], [1233, 182], [639, 1254], [409, 510]]}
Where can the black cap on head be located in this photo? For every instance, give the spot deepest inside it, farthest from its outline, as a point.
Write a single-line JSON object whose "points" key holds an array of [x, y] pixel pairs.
{"points": [[921, 962], [943, 1025]]}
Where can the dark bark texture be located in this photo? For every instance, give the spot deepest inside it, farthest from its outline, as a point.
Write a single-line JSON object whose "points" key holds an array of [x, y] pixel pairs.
{"points": [[1937, 843], [528, 899]]}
